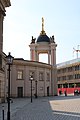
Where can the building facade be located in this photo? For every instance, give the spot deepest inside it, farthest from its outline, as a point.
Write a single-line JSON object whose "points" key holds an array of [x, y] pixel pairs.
{"points": [[44, 75], [21, 71], [68, 74], [3, 5]]}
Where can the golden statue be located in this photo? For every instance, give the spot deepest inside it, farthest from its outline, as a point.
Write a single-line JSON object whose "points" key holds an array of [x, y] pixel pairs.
{"points": [[42, 24], [42, 32]]}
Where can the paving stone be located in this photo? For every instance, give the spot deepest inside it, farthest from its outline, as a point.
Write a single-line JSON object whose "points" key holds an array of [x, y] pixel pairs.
{"points": [[44, 108]]}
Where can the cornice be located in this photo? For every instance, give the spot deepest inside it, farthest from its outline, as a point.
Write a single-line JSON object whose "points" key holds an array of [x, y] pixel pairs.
{"points": [[31, 63]]}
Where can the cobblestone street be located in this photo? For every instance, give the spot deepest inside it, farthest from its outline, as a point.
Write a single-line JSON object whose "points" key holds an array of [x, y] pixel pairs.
{"points": [[44, 108]]}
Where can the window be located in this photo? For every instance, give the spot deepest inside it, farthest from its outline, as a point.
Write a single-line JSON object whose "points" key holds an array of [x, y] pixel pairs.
{"points": [[40, 76], [48, 77], [76, 67], [59, 86], [63, 70], [59, 71], [63, 77], [77, 76], [69, 77], [59, 78], [71, 85], [20, 75], [41, 88], [70, 69]]}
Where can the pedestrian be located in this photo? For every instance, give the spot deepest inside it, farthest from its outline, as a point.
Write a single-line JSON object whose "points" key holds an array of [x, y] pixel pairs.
{"points": [[65, 93]]}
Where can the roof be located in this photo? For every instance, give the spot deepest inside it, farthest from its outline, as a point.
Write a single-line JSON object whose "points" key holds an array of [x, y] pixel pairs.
{"points": [[68, 62], [43, 38]]}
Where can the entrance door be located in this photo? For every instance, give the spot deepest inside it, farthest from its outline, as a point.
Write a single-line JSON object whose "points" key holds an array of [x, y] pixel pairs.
{"points": [[48, 91], [20, 92]]}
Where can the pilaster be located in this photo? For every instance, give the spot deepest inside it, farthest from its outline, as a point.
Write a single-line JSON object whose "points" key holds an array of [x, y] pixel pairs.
{"points": [[2, 14], [48, 57], [33, 52], [53, 54], [1, 32]]}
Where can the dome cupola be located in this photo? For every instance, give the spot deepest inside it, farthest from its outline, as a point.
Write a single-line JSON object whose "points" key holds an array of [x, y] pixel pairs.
{"points": [[43, 37]]}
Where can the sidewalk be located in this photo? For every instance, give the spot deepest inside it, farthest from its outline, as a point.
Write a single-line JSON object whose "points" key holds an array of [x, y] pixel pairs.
{"points": [[45, 108]]}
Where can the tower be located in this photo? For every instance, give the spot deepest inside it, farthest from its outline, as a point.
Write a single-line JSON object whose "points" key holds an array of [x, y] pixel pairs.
{"points": [[47, 45], [43, 45]]}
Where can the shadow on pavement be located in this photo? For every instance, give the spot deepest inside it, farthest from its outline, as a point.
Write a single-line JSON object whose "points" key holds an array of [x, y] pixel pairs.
{"points": [[61, 115]]}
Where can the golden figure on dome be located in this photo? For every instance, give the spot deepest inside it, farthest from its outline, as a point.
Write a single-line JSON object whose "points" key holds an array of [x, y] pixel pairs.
{"points": [[42, 32]]}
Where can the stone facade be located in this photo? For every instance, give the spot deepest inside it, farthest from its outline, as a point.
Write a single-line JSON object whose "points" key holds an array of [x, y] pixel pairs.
{"points": [[45, 45], [20, 78], [3, 5]]}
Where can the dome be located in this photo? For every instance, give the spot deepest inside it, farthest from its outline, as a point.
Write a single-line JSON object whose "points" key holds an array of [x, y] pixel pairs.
{"points": [[43, 38]]}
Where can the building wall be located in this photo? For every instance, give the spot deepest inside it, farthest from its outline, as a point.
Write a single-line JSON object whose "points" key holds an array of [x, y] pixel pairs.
{"points": [[3, 5], [69, 74], [2, 86], [37, 69]]}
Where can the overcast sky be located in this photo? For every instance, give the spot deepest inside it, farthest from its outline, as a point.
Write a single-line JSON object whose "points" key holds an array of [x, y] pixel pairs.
{"points": [[23, 20]]}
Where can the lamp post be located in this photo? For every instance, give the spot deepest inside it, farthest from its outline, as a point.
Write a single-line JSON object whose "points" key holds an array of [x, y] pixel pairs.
{"points": [[36, 89], [31, 78], [3, 112], [9, 62]]}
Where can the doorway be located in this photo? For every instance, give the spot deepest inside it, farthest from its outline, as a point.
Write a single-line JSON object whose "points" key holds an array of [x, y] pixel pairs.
{"points": [[48, 91], [20, 92]]}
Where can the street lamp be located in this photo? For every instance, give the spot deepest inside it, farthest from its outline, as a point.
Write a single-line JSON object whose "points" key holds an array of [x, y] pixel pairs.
{"points": [[36, 89], [3, 112], [9, 62], [31, 78]]}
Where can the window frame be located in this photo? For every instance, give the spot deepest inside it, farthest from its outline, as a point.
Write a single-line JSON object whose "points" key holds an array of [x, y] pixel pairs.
{"points": [[19, 74], [41, 76]]}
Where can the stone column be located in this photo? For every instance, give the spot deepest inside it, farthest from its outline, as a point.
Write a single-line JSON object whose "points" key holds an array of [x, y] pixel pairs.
{"points": [[2, 14], [53, 57], [53, 54], [33, 53], [54, 69], [37, 56], [48, 57], [53, 80], [1, 33]]}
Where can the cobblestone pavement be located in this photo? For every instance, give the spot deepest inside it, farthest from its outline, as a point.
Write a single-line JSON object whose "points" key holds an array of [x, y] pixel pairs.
{"points": [[44, 108]]}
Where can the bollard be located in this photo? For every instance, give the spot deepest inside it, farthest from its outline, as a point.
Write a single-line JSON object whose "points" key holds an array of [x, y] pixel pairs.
{"points": [[3, 112]]}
